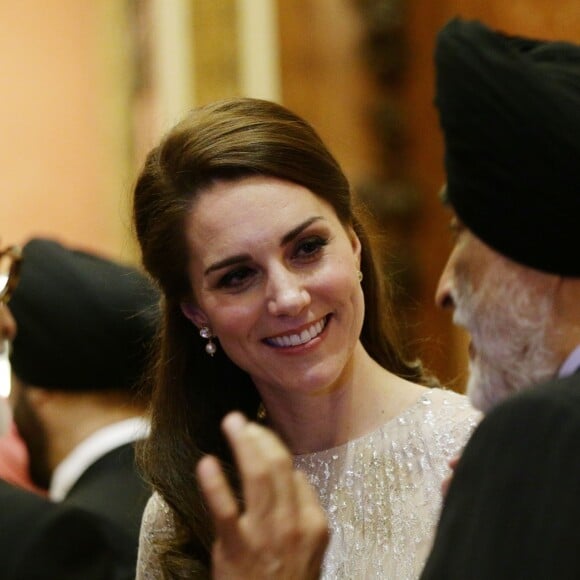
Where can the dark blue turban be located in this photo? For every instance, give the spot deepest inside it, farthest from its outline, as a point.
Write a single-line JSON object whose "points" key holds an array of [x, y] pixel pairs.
{"points": [[510, 112]]}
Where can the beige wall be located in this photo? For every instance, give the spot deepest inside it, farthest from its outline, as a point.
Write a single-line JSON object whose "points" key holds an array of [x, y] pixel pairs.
{"points": [[63, 138], [88, 86]]}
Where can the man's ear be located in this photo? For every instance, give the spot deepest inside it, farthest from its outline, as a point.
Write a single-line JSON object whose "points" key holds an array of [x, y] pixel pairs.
{"points": [[194, 314], [39, 397]]}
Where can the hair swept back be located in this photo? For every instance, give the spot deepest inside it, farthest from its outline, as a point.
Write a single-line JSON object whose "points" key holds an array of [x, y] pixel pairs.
{"points": [[192, 392]]}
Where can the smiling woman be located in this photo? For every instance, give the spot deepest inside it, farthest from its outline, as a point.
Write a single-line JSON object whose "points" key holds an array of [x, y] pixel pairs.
{"points": [[247, 223], [282, 293]]}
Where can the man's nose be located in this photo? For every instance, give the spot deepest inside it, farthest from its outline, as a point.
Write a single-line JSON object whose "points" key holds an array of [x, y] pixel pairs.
{"points": [[443, 295]]}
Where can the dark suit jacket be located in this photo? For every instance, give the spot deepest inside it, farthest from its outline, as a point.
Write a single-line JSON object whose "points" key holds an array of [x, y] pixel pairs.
{"points": [[41, 540], [513, 506], [113, 489]]}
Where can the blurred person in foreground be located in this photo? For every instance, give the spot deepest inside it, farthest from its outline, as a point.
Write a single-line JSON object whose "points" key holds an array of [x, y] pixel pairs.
{"points": [[510, 113], [42, 540], [84, 328]]}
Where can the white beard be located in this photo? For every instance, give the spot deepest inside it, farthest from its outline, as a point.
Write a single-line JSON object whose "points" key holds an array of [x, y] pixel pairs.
{"points": [[507, 319]]}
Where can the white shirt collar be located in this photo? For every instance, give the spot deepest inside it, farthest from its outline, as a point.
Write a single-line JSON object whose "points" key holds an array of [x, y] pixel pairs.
{"points": [[571, 364], [69, 470]]}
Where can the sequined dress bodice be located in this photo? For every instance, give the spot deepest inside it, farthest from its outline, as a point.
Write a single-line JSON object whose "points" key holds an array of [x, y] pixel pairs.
{"points": [[381, 492]]}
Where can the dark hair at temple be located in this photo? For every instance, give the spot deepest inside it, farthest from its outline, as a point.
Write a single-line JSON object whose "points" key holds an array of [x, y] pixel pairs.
{"points": [[226, 140]]}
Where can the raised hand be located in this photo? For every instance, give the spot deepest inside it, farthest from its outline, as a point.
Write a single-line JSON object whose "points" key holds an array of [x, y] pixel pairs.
{"points": [[282, 531]]}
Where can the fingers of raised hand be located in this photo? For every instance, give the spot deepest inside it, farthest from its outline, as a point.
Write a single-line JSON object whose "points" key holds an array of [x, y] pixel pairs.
{"points": [[453, 462], [283, 528], [294, 545], [266, 471], [447, 481], [220, 500]]}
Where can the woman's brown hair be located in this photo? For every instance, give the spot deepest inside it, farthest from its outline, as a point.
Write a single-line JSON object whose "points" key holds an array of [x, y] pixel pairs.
{"points": [[192, 392]]}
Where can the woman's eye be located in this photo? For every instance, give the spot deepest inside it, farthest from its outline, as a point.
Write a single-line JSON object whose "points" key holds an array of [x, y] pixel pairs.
{"points": [[310, 247], [236, 278]]}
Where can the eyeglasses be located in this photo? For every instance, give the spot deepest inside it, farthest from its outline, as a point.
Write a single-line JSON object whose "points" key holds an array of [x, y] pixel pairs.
{"points": [[10, 259]]}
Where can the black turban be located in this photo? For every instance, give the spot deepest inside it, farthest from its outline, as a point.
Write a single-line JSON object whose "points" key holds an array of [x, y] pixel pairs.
{"points": [[84, 323], [510, 113]]}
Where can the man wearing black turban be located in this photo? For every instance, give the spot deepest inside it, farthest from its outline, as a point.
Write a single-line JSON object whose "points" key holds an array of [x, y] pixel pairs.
{"points": [[510, 112], [39, 539], [84, 328]]}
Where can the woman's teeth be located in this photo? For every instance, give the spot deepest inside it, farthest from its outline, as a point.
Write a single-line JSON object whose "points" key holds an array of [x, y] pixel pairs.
{"points": [[295, 339]]}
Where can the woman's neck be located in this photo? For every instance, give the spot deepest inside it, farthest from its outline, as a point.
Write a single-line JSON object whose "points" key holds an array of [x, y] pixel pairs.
{"points": [[365, 397]]}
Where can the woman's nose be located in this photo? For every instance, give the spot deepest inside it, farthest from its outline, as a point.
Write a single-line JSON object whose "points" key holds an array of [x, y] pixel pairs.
{"points": [[287, 295]]}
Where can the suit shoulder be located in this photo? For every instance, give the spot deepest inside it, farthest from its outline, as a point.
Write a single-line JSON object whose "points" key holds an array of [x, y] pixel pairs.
{"points": [[44, 540], [558, 396]]}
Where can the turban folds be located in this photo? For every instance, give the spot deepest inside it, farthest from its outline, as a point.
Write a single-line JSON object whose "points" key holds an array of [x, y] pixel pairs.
{"points": [[84, 323], [509, 108]]}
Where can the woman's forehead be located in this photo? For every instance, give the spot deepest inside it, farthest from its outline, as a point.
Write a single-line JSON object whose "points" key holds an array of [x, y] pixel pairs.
{"points": [[256, 200], [231, 217]]}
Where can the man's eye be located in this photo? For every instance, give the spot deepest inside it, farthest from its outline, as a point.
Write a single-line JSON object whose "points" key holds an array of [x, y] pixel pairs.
{"points": [[456, 227], [310, 247], [235, 278]]}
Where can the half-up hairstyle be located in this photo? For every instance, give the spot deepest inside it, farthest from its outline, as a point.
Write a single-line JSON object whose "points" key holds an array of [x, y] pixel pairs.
{"points": [[227, 140]]}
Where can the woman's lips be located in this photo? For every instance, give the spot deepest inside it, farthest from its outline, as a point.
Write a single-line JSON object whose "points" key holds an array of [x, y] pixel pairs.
{"points": [[298, 338]]}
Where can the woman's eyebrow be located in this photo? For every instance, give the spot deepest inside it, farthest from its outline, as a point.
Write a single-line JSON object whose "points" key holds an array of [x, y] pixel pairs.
{"points": [[296, 231], [231, 261], [240, 258]]}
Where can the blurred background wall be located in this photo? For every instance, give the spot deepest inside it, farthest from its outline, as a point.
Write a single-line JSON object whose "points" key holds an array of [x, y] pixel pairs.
{"points": [[88, 86]]}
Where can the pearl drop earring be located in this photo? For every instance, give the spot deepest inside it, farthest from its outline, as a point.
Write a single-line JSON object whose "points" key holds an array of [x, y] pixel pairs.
{"points": [[210, 346]]}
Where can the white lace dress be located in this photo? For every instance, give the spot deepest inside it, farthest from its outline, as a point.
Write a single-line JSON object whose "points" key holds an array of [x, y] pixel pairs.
{"points": [[381, 492]]}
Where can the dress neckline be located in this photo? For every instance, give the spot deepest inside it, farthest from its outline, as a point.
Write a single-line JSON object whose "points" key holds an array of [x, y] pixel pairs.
{"points": [[423, 399]]}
